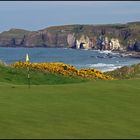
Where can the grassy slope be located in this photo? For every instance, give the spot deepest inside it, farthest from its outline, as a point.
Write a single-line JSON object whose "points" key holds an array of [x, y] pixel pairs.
{"points": [[19, 76], [14, 33], [126, 72], [97, 109]]}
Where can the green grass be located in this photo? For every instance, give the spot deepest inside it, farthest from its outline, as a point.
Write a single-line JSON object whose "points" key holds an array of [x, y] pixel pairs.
{"points": [[19, 76], [14, 33], [97, 109], [67, 107]]}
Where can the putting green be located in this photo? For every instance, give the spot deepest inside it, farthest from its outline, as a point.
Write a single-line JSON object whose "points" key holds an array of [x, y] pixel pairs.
{"points": [[96, 109]]}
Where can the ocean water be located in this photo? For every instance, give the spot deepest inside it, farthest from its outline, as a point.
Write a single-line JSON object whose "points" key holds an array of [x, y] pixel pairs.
{"points": [[101, 60]]}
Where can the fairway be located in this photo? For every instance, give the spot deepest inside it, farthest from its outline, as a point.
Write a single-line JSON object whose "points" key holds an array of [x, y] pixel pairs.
{"points": [[96, 109]]}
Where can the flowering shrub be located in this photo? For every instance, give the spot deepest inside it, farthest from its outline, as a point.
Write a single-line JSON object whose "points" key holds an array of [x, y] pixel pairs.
{"points": [[64, 69]]}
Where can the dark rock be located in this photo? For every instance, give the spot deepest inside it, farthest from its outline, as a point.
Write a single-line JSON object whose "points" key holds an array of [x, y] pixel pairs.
{"points": [[137, 46], [130, 47], [100, 56]]}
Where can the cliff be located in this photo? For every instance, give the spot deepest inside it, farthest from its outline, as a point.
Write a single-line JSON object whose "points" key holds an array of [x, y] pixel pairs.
{"points": [[103, 37]]}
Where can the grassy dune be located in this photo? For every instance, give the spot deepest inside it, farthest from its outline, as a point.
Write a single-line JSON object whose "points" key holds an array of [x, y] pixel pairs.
{"points": [[126, 72], [97, 109]]}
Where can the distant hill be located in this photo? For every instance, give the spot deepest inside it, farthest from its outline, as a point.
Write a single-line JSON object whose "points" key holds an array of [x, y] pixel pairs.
{"points": [[14, 33]]}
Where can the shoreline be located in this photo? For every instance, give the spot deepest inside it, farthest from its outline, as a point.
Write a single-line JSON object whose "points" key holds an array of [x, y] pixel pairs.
{"points": [[131, 54], [108, 54], [123, 53]]}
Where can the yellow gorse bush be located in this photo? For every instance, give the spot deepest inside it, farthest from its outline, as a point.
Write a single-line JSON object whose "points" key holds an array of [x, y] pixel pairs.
{"points": [[64, 69]]}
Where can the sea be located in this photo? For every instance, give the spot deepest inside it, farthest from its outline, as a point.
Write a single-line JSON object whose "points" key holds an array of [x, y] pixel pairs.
{"points": [[80, 58]]}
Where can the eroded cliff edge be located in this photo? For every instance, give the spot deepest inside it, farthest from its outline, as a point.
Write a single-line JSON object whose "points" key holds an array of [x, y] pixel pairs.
{"points": [[103, 37]]}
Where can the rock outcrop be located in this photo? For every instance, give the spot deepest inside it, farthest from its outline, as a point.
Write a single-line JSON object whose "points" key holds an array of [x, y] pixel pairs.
{"points": [[104, 43], [83, 42], [114, 44], [137, 46], [134, 46], [103, 37], [71, 40]]}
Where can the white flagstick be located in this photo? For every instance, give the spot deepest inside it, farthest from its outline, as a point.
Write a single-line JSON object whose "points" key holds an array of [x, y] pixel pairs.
{"points": [[28, 69], [28, 78]]}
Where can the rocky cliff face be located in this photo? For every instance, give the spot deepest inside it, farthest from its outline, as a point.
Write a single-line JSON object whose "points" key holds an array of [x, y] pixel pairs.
{"points": [[103, 37], [71, 40], [83, 42]]}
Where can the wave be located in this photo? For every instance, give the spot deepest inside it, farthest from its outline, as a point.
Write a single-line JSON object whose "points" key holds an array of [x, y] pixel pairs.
{"points": [[111, 69], [99, 66], [108, 52], [104, 67], [130, 54]]}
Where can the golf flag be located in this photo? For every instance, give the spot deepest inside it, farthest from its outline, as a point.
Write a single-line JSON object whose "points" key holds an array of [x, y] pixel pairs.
{"points": [[28, 69], [27, 58]]}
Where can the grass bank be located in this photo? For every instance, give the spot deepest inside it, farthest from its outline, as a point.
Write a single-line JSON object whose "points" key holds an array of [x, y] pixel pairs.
{"points": [[19, 76], [126, 72]]}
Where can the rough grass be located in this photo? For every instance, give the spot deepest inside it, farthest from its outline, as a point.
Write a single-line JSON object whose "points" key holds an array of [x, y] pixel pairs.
{"points": [[97, 109], [126, 72]]}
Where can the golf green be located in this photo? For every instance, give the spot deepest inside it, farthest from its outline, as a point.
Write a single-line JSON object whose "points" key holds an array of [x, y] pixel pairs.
{"points": [[95, 109]]}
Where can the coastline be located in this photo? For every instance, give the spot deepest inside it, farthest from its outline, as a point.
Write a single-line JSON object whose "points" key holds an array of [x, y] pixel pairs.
{"points": [[131, 54], [104, 60]]}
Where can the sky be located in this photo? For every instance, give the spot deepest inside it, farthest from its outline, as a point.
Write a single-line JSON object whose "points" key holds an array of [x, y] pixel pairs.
{"points": [[36, 15]]}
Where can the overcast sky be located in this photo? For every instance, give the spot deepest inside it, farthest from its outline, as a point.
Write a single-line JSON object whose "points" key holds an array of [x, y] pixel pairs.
{"points": [[35, 15]]}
